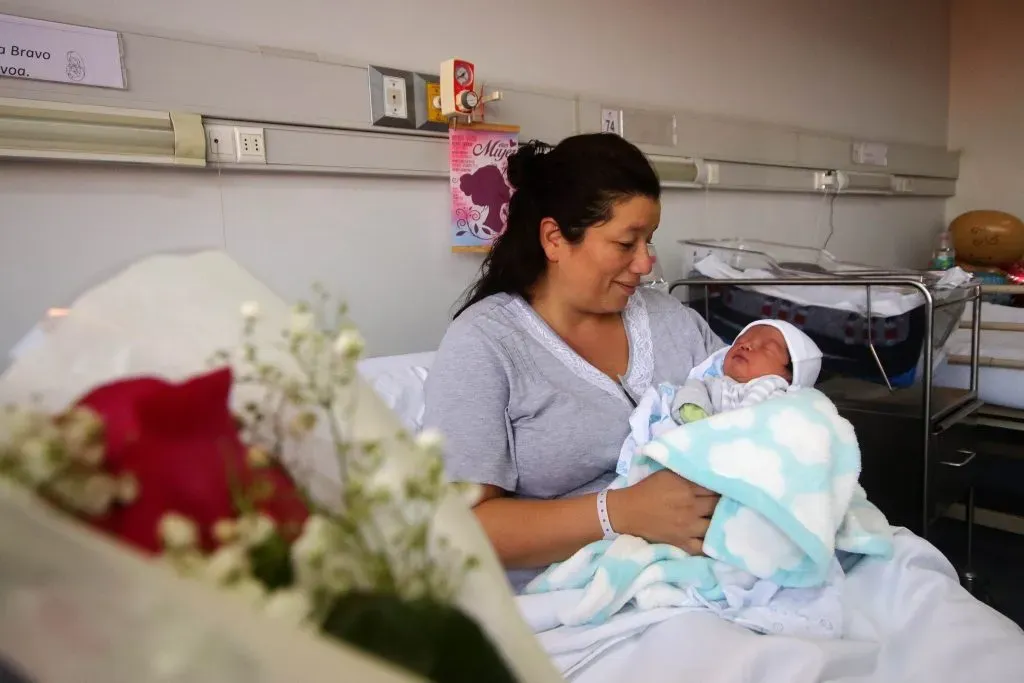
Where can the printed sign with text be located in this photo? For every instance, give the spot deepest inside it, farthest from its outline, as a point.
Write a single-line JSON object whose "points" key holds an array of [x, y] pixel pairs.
{"points": [[478, 163], [60, 53]]}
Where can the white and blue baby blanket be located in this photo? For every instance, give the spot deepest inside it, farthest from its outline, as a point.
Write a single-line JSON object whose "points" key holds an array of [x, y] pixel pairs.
{"points": [[787, 470]]}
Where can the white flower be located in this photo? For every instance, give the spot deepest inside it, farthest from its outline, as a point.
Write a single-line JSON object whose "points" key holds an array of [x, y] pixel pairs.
{"points": [[290, 605], [430, 439], [186, 563], [302, 323], [225, 530], [390, 476], [228, 564], [97, 493], [16, 423], [90, 456], [81, 429], [177, 531], [302, 424], [127, 489], [257, 457], [38, 460], [248, 590], [338, 571], [470, 493], [349, 344], [313, 542], [255, 530], [250, 310], [310, 549]]}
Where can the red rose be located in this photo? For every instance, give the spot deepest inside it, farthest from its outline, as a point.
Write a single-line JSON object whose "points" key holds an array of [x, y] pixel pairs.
{"points": [[181, 443]]}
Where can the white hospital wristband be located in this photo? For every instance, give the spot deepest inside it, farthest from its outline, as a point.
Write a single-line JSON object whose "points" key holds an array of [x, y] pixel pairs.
{"points": [[602, 515]]}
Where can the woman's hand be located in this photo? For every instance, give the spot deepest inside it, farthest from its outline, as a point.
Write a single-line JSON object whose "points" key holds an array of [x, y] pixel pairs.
{"points": [[664, 508]]}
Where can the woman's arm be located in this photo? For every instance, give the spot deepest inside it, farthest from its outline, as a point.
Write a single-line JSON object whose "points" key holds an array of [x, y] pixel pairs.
{"points": [[664, 508], [467, 398], [535, 533]]}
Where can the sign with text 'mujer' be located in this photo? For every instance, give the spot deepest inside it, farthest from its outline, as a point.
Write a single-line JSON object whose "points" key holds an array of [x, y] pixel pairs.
{"points": [[61, 53], [478, 169]]}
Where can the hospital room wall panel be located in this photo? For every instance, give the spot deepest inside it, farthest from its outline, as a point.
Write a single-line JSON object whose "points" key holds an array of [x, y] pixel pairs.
{"points": [[986, 109], [379, 242], [874, 68]]}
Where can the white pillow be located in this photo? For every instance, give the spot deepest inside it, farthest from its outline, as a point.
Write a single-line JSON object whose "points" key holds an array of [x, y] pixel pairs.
{"points": [[399, 381]]}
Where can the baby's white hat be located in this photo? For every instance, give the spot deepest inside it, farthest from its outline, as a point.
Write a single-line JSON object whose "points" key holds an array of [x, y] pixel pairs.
{"points": [[804, 354]]}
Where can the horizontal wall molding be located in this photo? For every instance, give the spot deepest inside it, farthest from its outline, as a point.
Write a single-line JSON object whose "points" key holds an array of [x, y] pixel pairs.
{"points": [[306, 149], [317, 119], [720, 138]]}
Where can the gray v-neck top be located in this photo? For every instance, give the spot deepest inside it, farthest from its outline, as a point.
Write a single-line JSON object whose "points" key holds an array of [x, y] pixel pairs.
{"points": [[521, 410]]}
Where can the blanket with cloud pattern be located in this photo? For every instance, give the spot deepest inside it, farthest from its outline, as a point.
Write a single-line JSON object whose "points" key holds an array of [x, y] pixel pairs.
{"points": [[787, 470]]}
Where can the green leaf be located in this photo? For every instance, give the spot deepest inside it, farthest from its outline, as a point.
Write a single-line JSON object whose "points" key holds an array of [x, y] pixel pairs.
{"points": [[430, 639], [271, 563]]}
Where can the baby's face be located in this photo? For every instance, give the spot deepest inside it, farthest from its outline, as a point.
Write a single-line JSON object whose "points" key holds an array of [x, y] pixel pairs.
{"points": [[758, 352]]}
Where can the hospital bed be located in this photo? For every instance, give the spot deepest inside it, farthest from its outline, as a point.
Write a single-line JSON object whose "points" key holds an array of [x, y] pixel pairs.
{"points": [[907, 618]]}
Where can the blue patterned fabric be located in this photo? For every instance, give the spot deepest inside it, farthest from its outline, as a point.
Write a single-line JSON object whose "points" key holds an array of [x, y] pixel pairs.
{"points": [[787, 470]]}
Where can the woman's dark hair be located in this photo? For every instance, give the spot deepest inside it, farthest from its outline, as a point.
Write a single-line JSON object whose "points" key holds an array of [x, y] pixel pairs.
{"points": [[577, 183]]}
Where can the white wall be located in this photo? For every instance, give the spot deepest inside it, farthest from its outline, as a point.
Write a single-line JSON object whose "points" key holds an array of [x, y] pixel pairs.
{"points": [[874, 68], [986, 107]]}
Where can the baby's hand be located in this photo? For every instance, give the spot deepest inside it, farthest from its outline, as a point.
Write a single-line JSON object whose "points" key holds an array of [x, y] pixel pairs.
{"points": [[690, 412]]}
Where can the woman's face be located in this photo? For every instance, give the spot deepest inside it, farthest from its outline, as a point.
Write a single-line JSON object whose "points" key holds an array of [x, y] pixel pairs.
{"points": [[598, 274]]}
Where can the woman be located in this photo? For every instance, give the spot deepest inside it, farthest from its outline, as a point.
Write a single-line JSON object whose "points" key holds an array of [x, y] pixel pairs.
{"points": [[537, 375]]}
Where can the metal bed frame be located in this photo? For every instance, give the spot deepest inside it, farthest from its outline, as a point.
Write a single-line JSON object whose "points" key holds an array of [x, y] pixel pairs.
{"points": [[937, 413]]}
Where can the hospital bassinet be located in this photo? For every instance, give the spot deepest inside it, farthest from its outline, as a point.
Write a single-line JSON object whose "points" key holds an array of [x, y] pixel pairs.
{"points": [[881, 332], [875, 333]]}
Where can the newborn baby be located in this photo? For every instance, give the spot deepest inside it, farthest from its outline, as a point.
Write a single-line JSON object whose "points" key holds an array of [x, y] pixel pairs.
{"points": [[768, 357]]}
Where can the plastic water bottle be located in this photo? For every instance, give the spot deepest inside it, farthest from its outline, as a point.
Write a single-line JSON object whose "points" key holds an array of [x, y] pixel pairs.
{"points": [[944, 256]]}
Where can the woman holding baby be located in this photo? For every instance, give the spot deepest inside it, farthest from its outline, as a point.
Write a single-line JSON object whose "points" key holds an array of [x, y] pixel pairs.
{"points": [[537, 376], [555, 349]]}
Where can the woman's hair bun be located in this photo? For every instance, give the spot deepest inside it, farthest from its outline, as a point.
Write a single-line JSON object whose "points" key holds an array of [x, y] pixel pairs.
{"points": [[525, 166]]}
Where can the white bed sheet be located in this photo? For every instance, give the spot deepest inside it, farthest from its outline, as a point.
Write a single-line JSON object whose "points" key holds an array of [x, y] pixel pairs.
{"points": [[907, 619], [885, 301]]}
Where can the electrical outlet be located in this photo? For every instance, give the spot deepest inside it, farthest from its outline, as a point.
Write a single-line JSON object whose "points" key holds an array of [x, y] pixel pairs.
{"points": [[902, 185], [826, 180], [426, 89], [250, 147], [220, 143], [391, 98], [395, 104]]}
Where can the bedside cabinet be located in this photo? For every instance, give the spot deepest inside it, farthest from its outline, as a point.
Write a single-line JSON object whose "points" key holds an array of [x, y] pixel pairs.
{"points": [[911, 468]]}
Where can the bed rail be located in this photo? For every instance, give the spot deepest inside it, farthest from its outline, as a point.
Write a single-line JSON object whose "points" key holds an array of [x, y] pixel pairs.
{"points": [[970, 293]]}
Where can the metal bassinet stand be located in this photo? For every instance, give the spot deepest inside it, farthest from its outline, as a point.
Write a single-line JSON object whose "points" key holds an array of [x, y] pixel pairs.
{"points": [[915, 447]]}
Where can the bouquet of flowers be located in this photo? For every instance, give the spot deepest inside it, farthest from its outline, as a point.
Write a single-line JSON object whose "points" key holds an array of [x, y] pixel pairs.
{"points": [[223, 497]]}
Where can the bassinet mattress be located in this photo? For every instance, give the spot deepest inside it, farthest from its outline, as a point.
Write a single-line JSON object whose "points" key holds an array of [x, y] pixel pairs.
{"points": [[886, 302]]}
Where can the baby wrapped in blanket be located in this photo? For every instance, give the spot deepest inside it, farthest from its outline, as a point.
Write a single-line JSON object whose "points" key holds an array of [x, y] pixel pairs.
{"points": [[749, 425], [768, 357]]}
